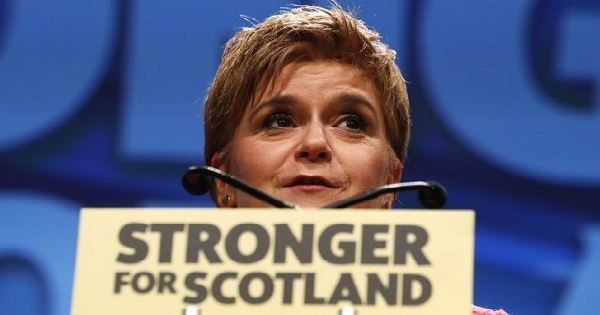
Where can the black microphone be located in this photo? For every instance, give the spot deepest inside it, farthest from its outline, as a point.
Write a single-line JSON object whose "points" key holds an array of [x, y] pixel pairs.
{"points": [[431, 194], [197, 181]]}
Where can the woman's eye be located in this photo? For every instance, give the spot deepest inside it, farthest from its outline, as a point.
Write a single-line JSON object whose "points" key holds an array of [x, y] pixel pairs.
{"points": [[279, 121], [352, 122]]}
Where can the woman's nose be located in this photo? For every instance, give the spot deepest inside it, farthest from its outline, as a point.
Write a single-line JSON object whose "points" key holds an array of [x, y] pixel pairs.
{"points": [[314, 146]]}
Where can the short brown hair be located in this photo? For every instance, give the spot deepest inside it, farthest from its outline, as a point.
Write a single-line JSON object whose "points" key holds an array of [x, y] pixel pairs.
{"points": [[257, 54]]}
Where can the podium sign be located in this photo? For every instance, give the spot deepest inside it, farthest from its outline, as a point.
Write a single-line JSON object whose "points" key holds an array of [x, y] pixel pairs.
{"points": [[258, 261]]}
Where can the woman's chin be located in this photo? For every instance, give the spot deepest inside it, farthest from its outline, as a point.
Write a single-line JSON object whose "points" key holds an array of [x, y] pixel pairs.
{"points": [[312, 200], [313, 204], [307, 200]]}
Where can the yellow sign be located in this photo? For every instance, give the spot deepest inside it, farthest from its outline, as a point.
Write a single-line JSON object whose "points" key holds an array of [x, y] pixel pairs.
{"points": [[249, 261]]}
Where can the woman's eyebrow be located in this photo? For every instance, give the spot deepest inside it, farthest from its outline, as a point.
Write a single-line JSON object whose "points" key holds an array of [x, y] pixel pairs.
{"points": [[354, 99], [276, 101]]}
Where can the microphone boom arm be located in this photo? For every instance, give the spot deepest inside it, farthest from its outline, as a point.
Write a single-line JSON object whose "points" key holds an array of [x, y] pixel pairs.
{"points": [[432, 195], [235, 182]]}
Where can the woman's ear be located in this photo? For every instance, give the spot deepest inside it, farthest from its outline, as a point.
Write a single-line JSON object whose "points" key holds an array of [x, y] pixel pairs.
{"points": [[395, 173], [224, 197]]}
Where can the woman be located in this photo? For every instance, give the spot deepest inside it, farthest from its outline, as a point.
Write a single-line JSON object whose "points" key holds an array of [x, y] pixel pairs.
{"points": [[310, 107]]}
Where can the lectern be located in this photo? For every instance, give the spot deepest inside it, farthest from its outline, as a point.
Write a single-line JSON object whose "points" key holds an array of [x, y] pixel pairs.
{"points": [[268, 261]]}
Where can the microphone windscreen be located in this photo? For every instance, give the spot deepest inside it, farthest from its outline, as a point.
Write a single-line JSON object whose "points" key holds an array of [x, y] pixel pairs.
{"points": [[195, 182], [434, 196]]}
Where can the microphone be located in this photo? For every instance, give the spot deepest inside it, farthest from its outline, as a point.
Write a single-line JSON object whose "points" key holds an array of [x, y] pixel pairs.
{"points": [[431, 194], [197, 181]]}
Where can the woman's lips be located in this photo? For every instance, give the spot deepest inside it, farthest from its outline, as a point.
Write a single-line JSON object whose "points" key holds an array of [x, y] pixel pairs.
{"points": [[310, 183]]}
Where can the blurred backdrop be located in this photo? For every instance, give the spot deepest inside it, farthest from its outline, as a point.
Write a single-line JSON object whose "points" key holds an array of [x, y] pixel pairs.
{"points": [[101, 101]]}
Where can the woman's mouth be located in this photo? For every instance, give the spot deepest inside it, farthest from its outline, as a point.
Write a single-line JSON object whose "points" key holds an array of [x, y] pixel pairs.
{"points": [[310, 183]]}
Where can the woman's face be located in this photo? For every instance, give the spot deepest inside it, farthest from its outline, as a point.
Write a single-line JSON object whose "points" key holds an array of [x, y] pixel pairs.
{"points": [[315, 137]]}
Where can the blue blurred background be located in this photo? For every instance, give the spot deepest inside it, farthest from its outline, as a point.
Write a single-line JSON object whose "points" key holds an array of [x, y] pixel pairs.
{"points": [[101, 101]]}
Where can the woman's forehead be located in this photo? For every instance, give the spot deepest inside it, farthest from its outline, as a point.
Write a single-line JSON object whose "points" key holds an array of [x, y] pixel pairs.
{"points": [[273, 84]]}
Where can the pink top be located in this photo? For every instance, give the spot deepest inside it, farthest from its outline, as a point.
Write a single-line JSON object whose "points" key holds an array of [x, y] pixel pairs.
{"points": [[484, 311]]}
